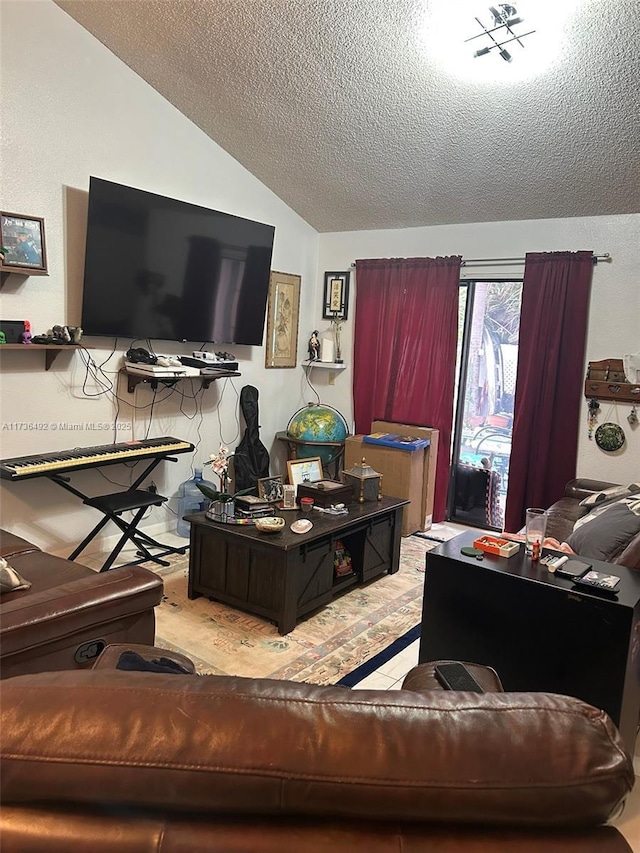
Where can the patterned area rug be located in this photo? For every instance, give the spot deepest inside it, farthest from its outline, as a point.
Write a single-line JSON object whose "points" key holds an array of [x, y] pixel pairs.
{"points": [[321, 649]]}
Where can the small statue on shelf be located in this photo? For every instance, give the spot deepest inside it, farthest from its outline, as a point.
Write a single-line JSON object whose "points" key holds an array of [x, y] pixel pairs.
{"points": [[314, 346]]}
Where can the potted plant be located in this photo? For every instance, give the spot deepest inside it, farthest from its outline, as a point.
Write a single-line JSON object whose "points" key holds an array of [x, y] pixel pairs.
{"points": [[222, 506]]}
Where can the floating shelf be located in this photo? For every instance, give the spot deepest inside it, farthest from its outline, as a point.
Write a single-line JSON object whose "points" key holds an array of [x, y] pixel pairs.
{"points": [[606, 380], [134, 379], [6, 271], [50, 350], [624, 392], [328, 365]]}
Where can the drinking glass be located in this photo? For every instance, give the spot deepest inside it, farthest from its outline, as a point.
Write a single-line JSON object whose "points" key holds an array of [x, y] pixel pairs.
{"points": [[536, 526]]}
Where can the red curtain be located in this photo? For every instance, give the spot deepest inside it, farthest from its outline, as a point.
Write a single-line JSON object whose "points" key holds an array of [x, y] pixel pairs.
{"points": [[405, 338], [551, 349]]}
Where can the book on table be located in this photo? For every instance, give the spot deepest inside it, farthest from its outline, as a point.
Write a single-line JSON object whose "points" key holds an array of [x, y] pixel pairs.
{"points": [[393, 439]]}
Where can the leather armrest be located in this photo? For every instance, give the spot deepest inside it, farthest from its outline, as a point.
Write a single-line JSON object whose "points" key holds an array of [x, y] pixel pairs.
{"points": [[422, 677], [111, 655], [47, 615]]}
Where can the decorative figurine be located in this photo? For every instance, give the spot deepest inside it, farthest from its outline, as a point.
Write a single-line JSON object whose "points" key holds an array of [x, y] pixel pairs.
{"points": [[314, 346], [25, 337]]}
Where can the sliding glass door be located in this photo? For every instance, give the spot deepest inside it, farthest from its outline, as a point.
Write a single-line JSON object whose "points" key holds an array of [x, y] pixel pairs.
{"points": [[489, 320]]}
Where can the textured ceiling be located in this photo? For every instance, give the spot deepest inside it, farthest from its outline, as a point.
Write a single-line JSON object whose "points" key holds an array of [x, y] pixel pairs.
{"points": [[344, 110]]}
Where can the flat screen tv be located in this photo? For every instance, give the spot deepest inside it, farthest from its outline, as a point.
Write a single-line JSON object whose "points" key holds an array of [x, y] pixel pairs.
{"points": [[160, 268]]}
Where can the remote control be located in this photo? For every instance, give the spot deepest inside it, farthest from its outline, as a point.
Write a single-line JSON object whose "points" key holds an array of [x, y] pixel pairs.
{"points": [[599, 582], [455, 676]]}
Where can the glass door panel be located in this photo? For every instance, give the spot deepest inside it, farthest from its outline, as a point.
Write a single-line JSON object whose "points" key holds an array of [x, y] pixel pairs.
{"points": [[489, 321]]}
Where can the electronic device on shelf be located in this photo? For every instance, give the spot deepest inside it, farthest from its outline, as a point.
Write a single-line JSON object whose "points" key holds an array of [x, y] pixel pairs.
{"points": [[184, 272], [159, 372], [206, 365]]}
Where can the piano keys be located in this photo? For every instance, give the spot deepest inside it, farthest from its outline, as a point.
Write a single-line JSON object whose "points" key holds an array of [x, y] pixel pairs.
{"points": [[61, 461]]}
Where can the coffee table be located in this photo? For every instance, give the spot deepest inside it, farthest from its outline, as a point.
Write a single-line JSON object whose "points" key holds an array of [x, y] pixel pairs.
{"points": [[539, 631], [284, 576]]}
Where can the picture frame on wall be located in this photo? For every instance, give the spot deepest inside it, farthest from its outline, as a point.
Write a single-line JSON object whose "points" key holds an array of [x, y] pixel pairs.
{"points": [[306, 470], [22, 237], [283, 313], [336, 296]]}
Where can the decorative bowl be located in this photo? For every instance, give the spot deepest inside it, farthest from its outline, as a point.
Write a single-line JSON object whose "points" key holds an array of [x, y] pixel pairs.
{"points": [[270, 524]]}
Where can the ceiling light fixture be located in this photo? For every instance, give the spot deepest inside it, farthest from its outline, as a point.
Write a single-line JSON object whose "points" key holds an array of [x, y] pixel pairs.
{"points": [[503, 19]]}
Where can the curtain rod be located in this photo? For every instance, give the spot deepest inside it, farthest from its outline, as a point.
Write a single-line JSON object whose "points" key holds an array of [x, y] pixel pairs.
{"points": [[604, 258]]}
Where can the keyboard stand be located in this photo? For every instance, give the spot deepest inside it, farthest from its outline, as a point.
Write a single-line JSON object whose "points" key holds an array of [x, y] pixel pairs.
{"points": [[112, 506]]}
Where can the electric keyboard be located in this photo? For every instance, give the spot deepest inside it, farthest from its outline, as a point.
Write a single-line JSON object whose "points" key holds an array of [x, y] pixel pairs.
{"points": [[43, 464]]}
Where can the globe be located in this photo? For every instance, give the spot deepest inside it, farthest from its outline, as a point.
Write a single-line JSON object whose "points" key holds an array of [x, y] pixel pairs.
{"points": [[318, 423]]}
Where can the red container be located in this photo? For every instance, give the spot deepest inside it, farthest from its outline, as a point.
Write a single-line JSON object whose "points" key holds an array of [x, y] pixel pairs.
{"points": [[306, 504]]}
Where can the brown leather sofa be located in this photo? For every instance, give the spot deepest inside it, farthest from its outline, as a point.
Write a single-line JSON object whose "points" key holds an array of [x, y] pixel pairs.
{"points": [[70, 613], [563, 514], [106, 760]]}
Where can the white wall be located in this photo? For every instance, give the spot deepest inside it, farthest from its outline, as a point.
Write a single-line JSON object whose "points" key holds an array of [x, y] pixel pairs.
{"points": [[70, 109], [614, 319]]}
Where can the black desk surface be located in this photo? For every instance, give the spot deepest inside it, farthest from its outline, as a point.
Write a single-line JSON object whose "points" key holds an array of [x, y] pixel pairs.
{"points": [[521, 565]]}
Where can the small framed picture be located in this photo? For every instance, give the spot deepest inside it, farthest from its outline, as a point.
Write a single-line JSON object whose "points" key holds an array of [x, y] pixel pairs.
{"points": [[336, 296], [304, 470], [270, 489], [22, 238]]}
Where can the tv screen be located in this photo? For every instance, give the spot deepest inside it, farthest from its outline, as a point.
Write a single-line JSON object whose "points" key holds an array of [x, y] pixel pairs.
{"points": [[160, 268]]}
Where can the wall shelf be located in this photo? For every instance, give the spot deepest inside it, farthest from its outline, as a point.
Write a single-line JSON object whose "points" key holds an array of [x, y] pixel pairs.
{"points": [[134, 379], [328, 365], [624, 392], [606, 380], [6, 271], [51, 351]]}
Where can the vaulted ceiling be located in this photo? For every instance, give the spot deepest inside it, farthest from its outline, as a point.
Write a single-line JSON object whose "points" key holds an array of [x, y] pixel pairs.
{"points": [[364, 114]]}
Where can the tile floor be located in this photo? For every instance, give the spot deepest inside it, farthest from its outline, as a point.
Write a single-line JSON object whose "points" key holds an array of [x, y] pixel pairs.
{"points": [[391, 674]]}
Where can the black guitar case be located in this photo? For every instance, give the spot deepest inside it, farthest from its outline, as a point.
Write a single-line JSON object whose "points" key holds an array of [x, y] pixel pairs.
{"points": [[251, 459]]}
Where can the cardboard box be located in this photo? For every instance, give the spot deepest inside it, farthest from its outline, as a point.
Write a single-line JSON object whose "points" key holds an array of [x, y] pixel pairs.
{"points": [[430, 462], [405, 474]]}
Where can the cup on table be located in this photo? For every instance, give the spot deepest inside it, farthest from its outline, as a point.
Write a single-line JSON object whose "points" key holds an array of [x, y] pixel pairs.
{"points": [[536, 527], [306, 504]]}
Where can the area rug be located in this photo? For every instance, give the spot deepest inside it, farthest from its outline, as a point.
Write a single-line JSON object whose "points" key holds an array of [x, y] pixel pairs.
{"points": [[322, 649]]}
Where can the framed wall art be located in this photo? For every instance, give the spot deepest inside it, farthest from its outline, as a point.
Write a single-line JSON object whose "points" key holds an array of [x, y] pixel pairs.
{"points": [[282, 320], [336, 296], [22, 238], [270, 489], [308, 470]]}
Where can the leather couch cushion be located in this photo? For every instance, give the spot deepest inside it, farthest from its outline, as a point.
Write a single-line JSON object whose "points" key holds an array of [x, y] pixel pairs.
{"points": [[612, 493], [45, 571], [10, 578], [254, 746], [11, 544]]}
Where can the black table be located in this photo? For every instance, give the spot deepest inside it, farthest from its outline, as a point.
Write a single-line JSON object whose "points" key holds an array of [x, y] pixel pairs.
{"points": [[538, 630], [283, 576]]}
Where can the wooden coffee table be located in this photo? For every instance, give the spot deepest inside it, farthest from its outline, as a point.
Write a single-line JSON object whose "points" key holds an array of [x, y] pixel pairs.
{"points": [[284, 576]]}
